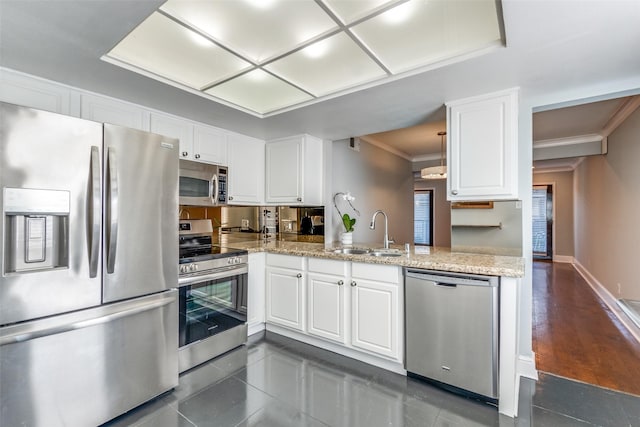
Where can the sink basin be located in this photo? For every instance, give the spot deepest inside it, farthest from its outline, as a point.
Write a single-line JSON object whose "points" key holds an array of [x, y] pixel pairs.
{"points": [[350, 251], [385, 253]]}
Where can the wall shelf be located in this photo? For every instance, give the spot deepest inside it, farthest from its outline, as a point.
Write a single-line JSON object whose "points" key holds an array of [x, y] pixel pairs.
{"points": [[498, 225]]}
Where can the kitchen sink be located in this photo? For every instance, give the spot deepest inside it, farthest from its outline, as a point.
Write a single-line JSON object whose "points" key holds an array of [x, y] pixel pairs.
{"points": [[385, 253], [351, 251]]}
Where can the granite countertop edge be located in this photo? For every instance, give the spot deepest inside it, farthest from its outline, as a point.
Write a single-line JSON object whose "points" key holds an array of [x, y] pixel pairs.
{"points": [[440, 259]]}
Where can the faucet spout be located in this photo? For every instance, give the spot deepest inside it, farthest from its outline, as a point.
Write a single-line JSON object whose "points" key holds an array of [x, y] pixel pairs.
{"points": [[386, 241]]}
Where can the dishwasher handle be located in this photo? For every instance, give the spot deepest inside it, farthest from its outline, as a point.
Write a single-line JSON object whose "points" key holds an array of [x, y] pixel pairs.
{"points": [[452, 280]]}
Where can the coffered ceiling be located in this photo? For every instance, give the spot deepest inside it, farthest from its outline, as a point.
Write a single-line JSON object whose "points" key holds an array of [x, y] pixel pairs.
{"points": [[555, 51], [268, 56]]}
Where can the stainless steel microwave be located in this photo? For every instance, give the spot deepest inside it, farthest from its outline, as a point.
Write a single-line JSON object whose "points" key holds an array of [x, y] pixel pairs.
{"points": [[202, 184]]}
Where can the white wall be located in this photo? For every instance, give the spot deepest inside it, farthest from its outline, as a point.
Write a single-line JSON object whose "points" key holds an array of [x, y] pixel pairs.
{"points": [[607, 202], [378, 180]]}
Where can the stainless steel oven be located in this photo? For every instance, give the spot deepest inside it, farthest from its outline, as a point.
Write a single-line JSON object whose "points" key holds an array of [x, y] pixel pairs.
{"points": [[202, 184], [212, 296]]}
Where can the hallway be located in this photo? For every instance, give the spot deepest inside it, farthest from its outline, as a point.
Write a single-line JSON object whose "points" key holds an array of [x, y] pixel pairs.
{"points": [[576, 336]]}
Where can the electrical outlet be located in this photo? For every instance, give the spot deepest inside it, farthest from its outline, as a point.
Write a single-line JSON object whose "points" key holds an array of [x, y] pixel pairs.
{"points": [[619, 288], [245, 224]]}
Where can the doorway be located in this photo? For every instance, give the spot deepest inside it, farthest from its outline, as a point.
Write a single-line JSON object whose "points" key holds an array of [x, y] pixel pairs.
{"points": [[542, 207], [423, 217]]}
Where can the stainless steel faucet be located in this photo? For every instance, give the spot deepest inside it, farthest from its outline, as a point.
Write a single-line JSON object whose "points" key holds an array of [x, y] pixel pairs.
{"points": [[386, 240]]}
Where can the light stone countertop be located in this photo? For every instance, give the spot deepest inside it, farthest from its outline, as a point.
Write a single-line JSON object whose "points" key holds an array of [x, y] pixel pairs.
{"points": [[430, 258]]}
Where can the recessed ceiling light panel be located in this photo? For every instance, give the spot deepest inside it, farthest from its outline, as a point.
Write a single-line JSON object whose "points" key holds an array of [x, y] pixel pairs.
{"points": [[259, 91], [418, 33], [257, 29], [341, 65], [350, 10], [170, 50]]}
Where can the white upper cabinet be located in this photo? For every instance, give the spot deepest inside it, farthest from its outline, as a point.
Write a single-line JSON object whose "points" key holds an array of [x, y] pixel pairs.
{"points": [[20, 89], [246, 170], [294, 170], [482, 147], [200, 143], [174, 127], [209, 145], [109, 110]]}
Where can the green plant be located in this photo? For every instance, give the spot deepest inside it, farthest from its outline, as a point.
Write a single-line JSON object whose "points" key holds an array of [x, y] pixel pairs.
{"points": [[348, 222]]}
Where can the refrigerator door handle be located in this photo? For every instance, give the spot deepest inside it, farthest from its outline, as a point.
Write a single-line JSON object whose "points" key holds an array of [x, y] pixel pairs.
{"points": [[96, 212], [216, 189], [112, 314], [112, 209]]}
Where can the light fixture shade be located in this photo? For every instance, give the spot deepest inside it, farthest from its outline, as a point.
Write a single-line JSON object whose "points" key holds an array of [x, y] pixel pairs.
{"points": [[434, 172]]}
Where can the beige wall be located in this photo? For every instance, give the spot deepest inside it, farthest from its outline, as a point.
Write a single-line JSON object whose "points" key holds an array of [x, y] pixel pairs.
{"points": [[607, 202], [441, 210], [563, 199]]}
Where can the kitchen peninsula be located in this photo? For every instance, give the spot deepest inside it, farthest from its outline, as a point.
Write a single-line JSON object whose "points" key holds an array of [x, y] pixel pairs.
{"points": [[353, 304]]}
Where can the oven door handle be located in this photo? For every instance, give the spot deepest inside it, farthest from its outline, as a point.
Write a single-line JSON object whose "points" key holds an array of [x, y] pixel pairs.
{"points": [[219, 274]]}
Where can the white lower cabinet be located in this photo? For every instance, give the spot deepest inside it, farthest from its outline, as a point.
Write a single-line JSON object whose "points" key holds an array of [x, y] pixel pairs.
{"points": [[374, 316], [326, 299], [355, 305], [285, 291]]}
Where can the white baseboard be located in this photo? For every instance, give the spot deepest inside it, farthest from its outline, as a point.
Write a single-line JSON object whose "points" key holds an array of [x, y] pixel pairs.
{"points": [[255, 328], [568, 259], [608, 299], [527, 367], [389, 365]]}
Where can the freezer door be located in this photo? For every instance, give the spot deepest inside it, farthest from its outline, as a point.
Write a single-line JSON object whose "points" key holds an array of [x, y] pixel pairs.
{"points": [[50, 194], [141, 213], [87, 367]]}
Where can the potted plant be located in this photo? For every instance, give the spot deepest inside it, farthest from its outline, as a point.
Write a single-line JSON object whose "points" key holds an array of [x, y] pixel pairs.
{"points": [[346, 238]]}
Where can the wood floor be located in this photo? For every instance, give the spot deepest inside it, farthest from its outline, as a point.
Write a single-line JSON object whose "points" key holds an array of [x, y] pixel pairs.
{"points": [[576, 336]]}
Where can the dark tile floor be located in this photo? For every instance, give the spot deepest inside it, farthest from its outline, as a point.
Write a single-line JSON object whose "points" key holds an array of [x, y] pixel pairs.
{"points": [[275, 381]]}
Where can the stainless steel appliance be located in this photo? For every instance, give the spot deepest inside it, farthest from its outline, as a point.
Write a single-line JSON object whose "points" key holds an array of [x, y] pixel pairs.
{"points": [[213, 295], [88, 241], [202, 184], [451, 331]]}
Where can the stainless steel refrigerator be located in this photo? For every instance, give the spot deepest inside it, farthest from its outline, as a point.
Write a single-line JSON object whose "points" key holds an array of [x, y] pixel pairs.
{"points": [[89, 250]]}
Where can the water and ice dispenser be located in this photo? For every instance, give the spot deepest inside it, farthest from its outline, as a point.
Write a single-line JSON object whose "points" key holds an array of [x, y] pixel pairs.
{"points": [[36, 233]]}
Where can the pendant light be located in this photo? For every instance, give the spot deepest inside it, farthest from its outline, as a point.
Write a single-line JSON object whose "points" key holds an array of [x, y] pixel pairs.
{"points": [[436, 172]]}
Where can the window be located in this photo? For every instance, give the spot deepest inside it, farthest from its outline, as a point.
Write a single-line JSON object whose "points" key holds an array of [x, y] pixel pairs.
{"points": [[542, 221], [423, 217]]}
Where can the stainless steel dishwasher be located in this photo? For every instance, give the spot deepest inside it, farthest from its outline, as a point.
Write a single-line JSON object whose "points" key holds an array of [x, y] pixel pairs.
{"points": [[451, 331]]}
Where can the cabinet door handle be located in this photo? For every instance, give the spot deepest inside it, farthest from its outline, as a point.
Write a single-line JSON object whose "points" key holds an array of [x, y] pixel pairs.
{"points": [[230, 197], [353, 283], [454, 192], [299, 199], [299, 275], [185, 153], [197, 156], [340, 282]]}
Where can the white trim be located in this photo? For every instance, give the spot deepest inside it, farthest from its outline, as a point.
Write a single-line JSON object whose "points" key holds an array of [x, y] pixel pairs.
{"points": [[527, 367], [380, 362], [572, 140], [385, 147], [606, 297], [255, 328], [426, 157], [566, 259]]}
